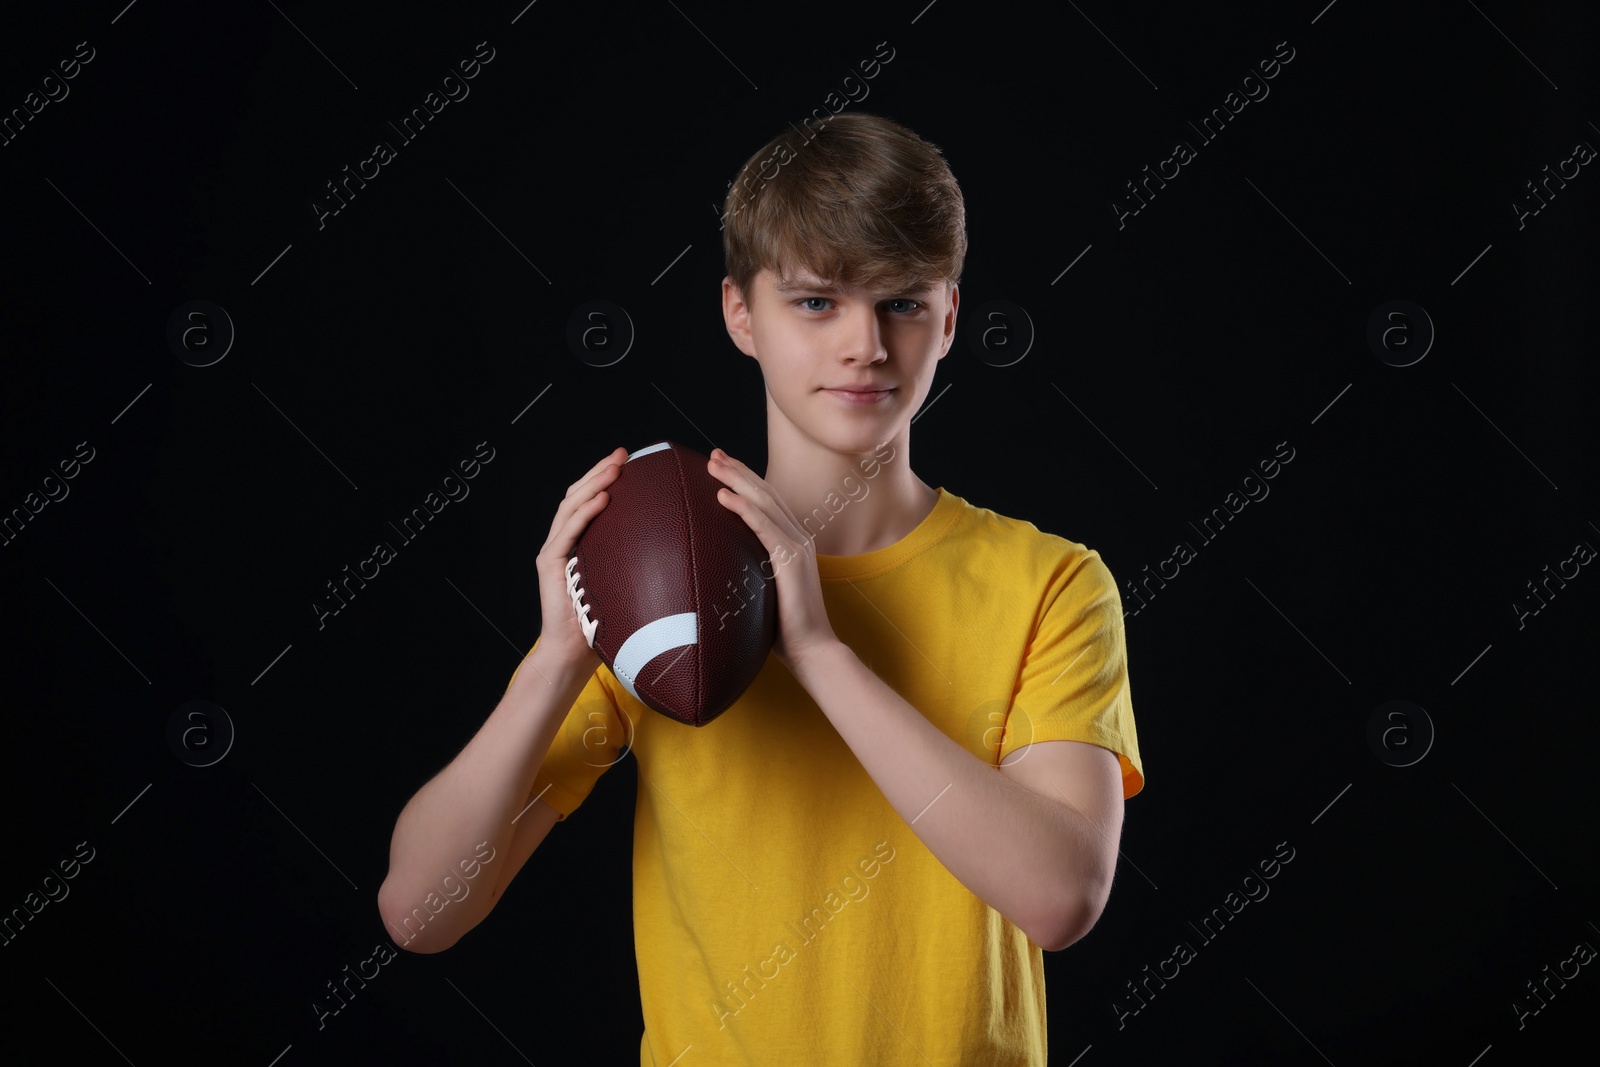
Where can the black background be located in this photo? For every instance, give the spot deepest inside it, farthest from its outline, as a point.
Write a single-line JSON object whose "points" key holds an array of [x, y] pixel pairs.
{"points": [[588, 162]]}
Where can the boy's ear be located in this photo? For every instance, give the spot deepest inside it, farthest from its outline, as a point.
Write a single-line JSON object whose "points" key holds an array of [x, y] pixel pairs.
{"points": [[950, 320], [736, 316]]}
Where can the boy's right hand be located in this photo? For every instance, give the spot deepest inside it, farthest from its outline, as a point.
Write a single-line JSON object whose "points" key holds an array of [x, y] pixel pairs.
{"points": [[560, 634]]}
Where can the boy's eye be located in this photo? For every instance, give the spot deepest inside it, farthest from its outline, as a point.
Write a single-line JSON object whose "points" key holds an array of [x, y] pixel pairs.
{"points": [[902, 305]]}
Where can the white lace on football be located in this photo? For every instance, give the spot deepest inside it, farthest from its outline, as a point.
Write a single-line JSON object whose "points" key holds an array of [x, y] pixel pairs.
{"points": [[589, 625]]}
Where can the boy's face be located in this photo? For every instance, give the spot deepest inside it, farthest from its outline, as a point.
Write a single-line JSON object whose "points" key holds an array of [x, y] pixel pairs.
{"points": [[815, 339]]}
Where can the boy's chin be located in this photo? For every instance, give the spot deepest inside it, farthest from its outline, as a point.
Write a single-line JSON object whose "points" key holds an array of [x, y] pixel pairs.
{"points": [[853, 444]]}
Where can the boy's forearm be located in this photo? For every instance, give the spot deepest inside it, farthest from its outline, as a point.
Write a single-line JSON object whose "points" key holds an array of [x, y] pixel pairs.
{"points": [[466, 810], [1022, 853]]}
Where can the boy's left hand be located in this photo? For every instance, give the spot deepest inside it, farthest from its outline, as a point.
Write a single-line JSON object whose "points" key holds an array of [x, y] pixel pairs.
{"points": [[802, 618]]}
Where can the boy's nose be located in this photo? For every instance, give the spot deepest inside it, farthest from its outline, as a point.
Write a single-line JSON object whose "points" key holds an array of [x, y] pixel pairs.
{"points": [[864, 337]]}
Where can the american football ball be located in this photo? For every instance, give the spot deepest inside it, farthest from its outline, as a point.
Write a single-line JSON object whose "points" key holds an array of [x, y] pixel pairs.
{"points": [[673, 589]]}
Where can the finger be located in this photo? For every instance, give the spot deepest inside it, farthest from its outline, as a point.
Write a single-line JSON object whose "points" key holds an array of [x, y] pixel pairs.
{"points": [[561, 544], [582, 492], [580, 505], [731, 470], [558, 548], [610, 457]]}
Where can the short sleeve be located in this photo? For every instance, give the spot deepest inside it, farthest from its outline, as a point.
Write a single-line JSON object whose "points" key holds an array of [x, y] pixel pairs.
{"points": [[593, 738], [1073, 683]]}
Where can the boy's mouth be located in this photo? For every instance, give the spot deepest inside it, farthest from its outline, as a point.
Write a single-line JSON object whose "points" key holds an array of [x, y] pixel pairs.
{"points": [[867, 395]]}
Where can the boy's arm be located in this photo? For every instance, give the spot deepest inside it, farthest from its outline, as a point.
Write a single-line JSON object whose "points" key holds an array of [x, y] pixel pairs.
{"points": [[476, 815], [1035, 840], [461, 839]]}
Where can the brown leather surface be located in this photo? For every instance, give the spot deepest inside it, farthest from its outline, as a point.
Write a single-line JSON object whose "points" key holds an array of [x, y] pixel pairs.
{"points": [[662, 545]]}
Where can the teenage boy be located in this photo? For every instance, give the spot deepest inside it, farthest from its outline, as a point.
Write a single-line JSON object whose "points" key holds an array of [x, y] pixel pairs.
{"points": [[861, 860]]}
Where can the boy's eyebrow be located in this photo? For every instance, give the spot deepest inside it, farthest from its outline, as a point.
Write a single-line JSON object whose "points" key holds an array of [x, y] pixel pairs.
{"points": [[810, 285]]}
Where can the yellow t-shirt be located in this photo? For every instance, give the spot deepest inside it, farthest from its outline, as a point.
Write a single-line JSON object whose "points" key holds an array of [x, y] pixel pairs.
{"points": [[783, 912]]}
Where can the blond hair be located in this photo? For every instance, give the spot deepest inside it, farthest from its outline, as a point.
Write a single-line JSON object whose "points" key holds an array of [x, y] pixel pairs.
{"points": [[863, 201]]}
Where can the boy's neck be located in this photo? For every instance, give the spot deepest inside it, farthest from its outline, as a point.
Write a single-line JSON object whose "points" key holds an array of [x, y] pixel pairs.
{"points": [[846, 510]]}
